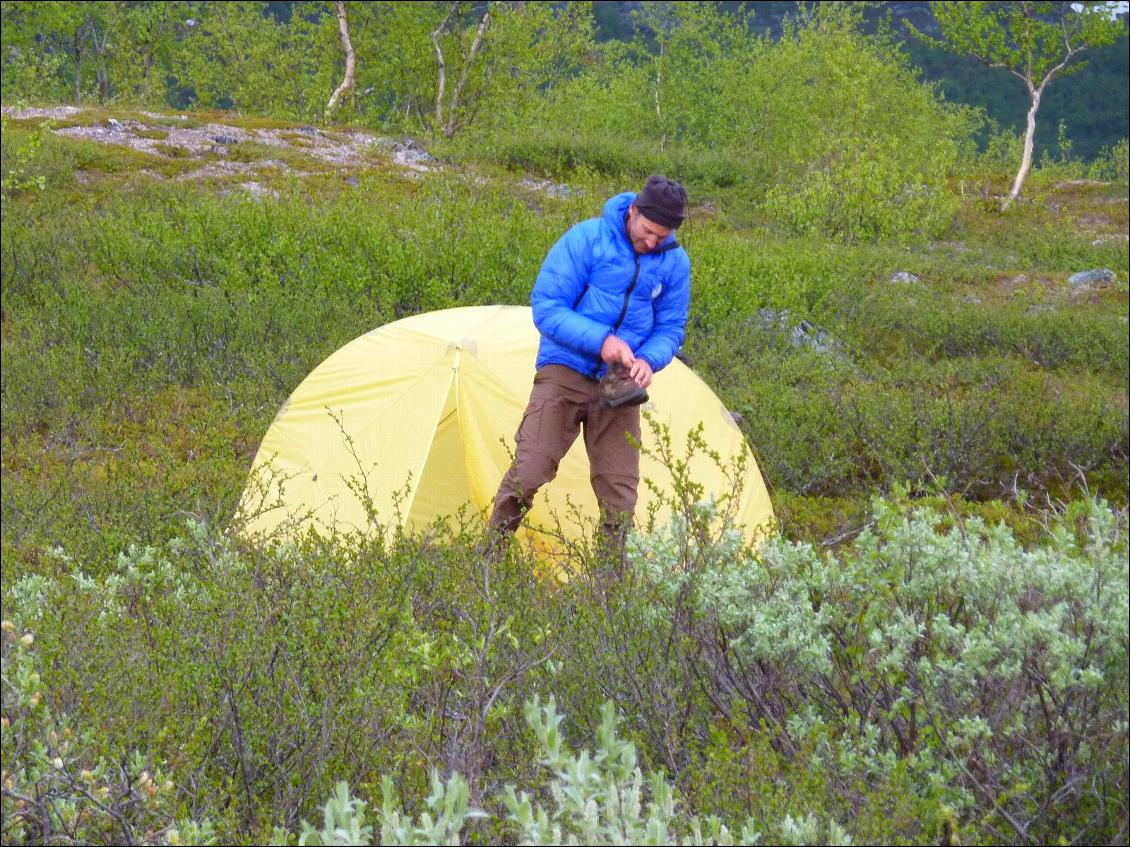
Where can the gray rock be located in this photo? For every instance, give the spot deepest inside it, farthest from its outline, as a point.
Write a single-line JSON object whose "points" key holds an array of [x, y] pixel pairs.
{"points": [[553, 189], [410, 155], [798, 334], [1089, 278], [903, 276], [410, 146], [257, 190], [774, 319], [807, 334]]}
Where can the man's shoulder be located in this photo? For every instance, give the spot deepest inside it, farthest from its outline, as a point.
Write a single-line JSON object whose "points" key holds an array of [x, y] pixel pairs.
{"points": [[677, 260], [587, 229]]}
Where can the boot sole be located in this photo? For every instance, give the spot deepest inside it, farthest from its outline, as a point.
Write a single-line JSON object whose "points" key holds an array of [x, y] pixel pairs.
{"points": [[635, 398]]}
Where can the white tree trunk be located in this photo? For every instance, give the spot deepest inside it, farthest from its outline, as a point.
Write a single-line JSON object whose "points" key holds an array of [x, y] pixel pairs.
{"points": [[78, 65], [1029, 143], [476, 46], [350, 60], [441, 73]]}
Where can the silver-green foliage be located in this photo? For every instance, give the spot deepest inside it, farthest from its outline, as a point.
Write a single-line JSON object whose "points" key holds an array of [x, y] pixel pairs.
{"points": [[343, 821], [448, 809], [992, 676], [597, 798], [995, 672], [601, 798]]}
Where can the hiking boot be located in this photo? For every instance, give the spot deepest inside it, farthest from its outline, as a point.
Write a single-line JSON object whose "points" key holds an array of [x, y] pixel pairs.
{"points": [[618, 389]]}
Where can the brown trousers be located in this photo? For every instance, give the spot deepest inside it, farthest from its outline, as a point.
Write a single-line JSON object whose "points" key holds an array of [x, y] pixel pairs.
{"points": [[561, 402]]}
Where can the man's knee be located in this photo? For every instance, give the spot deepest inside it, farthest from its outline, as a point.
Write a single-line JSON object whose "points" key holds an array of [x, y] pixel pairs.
{"points": [[616, 493], [531, 471]]}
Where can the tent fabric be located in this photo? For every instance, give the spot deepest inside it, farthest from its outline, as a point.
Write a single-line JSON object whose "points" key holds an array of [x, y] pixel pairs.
{"points": [[419, 416]]}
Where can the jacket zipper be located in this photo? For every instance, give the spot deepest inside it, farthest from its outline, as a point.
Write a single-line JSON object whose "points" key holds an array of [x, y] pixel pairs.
{"points": [[624, 308], [627, 295]]}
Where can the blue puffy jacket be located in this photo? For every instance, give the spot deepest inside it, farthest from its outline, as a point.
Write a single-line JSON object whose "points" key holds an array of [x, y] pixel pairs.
{"points": [[593, 284]]}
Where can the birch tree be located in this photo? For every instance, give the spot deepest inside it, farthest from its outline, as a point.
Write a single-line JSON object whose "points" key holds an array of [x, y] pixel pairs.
{"points": [[1034, 41], [447, 105], [491, 60]]}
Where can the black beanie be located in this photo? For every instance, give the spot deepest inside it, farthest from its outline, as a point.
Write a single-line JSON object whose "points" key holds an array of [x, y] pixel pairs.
{"points": [[663, 201]]}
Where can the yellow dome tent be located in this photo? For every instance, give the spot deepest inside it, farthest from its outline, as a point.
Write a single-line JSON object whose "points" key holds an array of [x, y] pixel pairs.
{"points": [[419, 416]]}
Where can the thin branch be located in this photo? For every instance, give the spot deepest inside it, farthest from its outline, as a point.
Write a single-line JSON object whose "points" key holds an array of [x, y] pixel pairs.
{"points": [[476, 45]]}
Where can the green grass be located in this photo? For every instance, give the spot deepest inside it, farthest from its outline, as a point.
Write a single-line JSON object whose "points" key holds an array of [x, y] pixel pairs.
{"points": [[155, 134], [229, 277]]}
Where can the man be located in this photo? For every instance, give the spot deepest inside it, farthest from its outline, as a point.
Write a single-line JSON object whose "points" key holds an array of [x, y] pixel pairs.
{"points": [[611, 304]]}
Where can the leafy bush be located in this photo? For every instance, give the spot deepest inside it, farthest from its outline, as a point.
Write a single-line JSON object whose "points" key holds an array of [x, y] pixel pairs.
{"points": [[823, 425], [909, 683], [1113, 164], [952, 657], [1048, 331], [264, 675], [19, 164], [827, 129], [856, 166], [598, 798], [864, 199], [60, 781]]}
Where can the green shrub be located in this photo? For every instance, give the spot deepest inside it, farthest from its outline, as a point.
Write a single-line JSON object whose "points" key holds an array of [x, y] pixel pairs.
{"points": [[827, 424], [1048, 331], [825, 130], [903, 683], [1113, 164], [19, 164], [561, 155], [866, 198], [598, 798], [951, 659], [61, 781]]}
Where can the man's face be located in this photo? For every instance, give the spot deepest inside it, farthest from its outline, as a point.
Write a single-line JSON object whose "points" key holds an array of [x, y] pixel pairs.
{"points": [[644, 234]]}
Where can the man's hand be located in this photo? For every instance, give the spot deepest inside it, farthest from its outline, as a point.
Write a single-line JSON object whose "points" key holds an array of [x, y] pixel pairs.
{"points": [[616, 351], [642, 373]]}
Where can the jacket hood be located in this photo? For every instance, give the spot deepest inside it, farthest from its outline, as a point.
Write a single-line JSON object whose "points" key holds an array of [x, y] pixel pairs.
{"points": [[615, 208]]}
